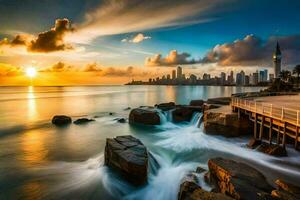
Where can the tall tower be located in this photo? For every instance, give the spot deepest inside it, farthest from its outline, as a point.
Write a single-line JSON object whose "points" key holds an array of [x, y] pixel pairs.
{"points": [[277, 61], [179, 73]]}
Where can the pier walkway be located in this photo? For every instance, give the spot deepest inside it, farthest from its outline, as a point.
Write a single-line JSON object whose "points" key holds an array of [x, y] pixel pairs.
{"points": [[279, 115]]}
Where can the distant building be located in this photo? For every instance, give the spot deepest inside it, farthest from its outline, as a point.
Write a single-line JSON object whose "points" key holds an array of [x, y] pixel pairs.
{"points": [[193, 79], [206, 76], [230, 78], [239, 80], [255, 78], [271, 77], [277, 60], [223, 78], [168, 76], [173, 74], [179, 73], [247, 80]]}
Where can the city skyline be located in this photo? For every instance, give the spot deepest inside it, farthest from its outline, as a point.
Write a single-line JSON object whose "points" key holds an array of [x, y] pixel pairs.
{"points": [[111, 42]]}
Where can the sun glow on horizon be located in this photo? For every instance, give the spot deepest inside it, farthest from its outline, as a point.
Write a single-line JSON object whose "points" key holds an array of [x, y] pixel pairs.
{"points": [[31, 72]]}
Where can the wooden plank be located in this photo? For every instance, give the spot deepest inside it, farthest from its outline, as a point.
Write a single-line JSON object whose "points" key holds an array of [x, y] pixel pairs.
{"points": [[284, 135], [255, 126], [296, 138], [270, 132], [261, 130]]}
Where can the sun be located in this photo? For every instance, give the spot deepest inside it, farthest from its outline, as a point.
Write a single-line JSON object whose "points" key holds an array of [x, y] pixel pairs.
{"points": [[31, 72]]}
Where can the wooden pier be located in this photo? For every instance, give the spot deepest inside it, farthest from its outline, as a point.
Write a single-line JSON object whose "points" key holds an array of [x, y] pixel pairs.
{"points": [[282, 121]]}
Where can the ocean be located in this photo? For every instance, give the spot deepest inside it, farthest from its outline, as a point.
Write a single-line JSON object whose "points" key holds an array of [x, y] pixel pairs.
{"points": [[40, 161]]}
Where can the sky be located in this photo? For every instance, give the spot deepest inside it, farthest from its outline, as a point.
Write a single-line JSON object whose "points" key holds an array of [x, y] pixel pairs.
{"points": [[90, 42]]}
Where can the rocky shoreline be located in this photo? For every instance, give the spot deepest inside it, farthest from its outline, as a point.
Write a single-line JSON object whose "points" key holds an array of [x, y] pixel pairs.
{"points": [[128, 156]]}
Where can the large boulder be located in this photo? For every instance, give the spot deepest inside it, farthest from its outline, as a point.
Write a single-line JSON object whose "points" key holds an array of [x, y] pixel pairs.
{"points": [[129, 157], [61, 120], [286, 191], [272, 149], [223, 121], [182, 114], [236, 179], [145, 116], [166, 106], [196, 102], [191, 191]]}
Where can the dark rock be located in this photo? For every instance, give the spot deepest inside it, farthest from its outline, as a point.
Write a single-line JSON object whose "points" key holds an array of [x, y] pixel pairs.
{"points": [[166, 106], [110, 113], [121, 120], [253, 143], [197, 103], [200, 170], [286, 191], [266, 196], [210, 106], [61, 120], [182, 114], [128, 108], [83, 121], [220, 100], [237, 180], [145, 116], [128, 156], [191, 191], [272, 149], [222, 121]]}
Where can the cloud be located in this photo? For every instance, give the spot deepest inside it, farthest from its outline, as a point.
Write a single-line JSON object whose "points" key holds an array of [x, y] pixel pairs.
{"points": [[174, 58], [9, 70], [92, 68], [52, 40], [137, 39], [253, 51], [58, 67], [117, 17], [45, 42]]}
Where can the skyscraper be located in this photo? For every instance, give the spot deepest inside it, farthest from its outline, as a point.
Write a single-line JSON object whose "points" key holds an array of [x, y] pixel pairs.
{"points": [[223, 78], [277, 60], [173, 74], [179, 73]]}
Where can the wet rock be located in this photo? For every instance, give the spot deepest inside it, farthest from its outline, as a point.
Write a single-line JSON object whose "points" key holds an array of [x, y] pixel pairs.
{"points": [[128, 108], [197, 102], [272, 149], [210, 106], [190, 177], [182, 114], [145, 116], [166, 106], [83, 121], [286, 191], [237, 180], [61, 120], [110, 113], [222, 121], [200, 170], [220, 100], [121, 120], [266, 196], [253, 143], [191, 191], [128, 156]]}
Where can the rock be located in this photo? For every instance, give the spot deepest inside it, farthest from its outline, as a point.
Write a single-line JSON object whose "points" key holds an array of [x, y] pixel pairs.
{"points": [[222, 121], [272, 149], [200, 170], [128, 108], [210, 106], [121, 120], [220, 100], [83, 121], [61, 120], [190, 177], [197, 102], [145, 116], [166, 106], [128, 156], [191, 191], [182, 114], [237, 180], [286, 191], [110, 113], [266, 196], [253, 143]]}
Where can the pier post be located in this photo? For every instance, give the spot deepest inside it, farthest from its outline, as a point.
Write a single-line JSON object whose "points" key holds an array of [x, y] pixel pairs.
{"points": [[296, 138], [278, 135], [270, 131], [255, 126], [239, 113], [261, 127], [284, 135]]}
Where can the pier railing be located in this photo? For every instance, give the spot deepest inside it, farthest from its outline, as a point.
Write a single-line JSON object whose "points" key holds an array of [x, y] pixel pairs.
{"points": [[271, 110]]}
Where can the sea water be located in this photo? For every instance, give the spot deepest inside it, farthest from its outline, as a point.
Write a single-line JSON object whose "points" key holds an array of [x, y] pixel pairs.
{"points": [[40, 161]]}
